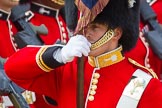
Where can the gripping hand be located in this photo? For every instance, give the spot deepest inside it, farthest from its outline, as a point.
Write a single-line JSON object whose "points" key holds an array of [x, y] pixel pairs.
{"points": [[76, 47]]}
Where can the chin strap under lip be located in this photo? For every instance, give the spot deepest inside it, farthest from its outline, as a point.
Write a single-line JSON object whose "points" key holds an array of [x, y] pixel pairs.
{"points": [[104, 39]]}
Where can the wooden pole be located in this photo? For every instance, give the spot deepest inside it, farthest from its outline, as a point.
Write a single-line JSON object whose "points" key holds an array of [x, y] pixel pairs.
{"points": [[80, 83], [71, 15]]}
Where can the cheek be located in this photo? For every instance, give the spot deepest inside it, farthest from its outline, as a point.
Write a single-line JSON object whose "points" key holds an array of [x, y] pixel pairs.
{"points": [[93, 35], [98, 35]]}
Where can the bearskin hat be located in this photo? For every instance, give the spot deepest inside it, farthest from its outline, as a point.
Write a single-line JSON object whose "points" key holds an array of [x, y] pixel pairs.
{"points": [[115, 13], [123, 14]]}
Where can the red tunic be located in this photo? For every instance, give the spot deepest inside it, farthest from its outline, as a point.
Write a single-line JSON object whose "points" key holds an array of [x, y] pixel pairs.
{"points": [[7, 44], [60, 83], [158, 10], [142, 53]]}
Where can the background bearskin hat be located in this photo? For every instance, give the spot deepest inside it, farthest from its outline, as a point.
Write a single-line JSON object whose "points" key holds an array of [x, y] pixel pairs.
{"points": [[117, 13]]}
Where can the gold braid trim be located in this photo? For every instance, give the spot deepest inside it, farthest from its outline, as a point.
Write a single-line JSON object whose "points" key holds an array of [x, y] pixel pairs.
{"points": [[105, 38], [139, 65], [40, 61]]}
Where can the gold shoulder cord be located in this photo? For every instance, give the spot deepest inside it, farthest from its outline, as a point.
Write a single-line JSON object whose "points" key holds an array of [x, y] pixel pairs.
{"points": [[139, 65]]}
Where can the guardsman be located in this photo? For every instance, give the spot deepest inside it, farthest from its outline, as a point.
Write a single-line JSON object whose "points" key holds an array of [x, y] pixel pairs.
{"points": [[143, 53], [111, 80], [8, 46], [47, 12]]}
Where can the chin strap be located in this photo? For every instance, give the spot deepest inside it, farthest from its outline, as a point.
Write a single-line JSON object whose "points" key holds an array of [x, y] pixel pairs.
{"points": [[104, 39]]}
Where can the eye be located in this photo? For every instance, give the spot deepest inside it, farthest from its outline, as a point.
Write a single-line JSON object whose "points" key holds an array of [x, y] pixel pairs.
{"points": [[94, 28]]}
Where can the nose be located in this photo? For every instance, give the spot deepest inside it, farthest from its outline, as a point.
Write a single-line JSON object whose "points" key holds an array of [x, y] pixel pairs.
{"points": [[88, 34]]}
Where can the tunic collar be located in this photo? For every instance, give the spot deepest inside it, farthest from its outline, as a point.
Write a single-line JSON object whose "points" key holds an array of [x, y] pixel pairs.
{"points": [[107, 59], [44, 10], [4, 15]]}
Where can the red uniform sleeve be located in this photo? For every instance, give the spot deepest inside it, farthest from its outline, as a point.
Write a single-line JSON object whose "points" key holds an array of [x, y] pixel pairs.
{"points": [[27, 73]]}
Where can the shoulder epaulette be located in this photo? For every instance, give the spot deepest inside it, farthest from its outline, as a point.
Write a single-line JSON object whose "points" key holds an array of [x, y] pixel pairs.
{"points": [[143, 67]]}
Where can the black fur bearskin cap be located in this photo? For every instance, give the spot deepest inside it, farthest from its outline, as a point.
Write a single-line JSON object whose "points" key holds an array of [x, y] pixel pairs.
{"points": [[123, 14]]}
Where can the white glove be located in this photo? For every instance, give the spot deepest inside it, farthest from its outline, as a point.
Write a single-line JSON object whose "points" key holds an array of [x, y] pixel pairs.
{"points": [[76, 47]]}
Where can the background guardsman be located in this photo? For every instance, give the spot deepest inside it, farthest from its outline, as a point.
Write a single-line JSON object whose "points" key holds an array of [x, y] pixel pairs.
{"points": [[51, 14], [143, 53], [8, 46], [56, 30]]}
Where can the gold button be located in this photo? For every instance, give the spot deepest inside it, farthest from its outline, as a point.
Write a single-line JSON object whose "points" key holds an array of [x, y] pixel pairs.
{"points": [[13, 39], [15, 45], [64, 35], [91, 98], [64, 41], [147, 60], [143, 38], [148, 65], [94, 81], [147, 44], [61, 23], [96, 75], [11, 33], [92, 92], [63, 29], [94, 87], [11, 26]]}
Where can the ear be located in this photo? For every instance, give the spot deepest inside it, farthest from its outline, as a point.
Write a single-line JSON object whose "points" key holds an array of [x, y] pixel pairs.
{"points": [[117, 33]]}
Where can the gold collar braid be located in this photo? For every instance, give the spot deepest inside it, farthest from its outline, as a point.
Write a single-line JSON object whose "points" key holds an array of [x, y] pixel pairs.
{"points": [[105, 38], [106, 59]]}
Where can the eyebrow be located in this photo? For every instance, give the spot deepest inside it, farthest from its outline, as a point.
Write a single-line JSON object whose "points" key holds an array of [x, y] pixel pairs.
{"points": [[93, 26]]}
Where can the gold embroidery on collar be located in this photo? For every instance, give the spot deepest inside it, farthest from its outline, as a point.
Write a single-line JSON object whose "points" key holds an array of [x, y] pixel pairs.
{"points": [[107, 59]]}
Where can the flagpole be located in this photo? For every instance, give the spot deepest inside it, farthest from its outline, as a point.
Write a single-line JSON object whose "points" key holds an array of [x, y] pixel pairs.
{"points": [[71, 21], [80, 83]]}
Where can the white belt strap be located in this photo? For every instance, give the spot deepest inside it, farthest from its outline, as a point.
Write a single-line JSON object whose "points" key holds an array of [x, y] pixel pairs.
{"points": [[134, 90]]}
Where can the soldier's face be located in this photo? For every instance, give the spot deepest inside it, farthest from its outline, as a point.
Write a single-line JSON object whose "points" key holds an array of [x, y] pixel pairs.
{"points": [[95, 32], [9, 3]]}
